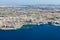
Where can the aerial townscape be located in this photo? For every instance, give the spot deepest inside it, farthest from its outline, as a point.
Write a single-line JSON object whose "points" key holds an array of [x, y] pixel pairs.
{"points": [[14, 17]]}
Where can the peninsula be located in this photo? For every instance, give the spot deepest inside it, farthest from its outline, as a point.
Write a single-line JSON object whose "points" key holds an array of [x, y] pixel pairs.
{"points": [[12, 18]]}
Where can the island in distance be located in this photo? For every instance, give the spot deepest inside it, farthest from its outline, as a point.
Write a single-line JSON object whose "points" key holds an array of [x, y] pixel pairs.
{"points": [[14, 17]]}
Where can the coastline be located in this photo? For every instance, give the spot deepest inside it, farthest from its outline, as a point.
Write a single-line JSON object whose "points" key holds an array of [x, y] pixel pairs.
{"points": [[24, 25]]}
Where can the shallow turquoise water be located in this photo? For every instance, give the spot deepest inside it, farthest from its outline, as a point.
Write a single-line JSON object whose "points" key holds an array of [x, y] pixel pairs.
{"points": [[32, 32]]}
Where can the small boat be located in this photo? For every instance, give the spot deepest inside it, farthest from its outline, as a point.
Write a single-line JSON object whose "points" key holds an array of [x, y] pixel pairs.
{"points": [[56, 23]]}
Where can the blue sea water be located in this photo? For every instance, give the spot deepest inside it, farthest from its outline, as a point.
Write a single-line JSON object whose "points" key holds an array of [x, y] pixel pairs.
{"points": [[32, 32]]}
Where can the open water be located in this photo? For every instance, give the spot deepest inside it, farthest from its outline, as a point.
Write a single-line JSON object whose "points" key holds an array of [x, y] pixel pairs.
{"points": [[32, 32]]}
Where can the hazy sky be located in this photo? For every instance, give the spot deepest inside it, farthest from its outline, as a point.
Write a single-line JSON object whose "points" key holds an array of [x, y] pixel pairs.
{"points": [[25, 2]]}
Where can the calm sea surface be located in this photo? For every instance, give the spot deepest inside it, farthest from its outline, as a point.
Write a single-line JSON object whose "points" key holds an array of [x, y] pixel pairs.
{"points": [[32, 32]]}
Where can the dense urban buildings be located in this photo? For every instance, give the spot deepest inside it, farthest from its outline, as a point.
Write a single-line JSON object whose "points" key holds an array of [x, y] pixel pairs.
{"points": [[15, 17]]}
